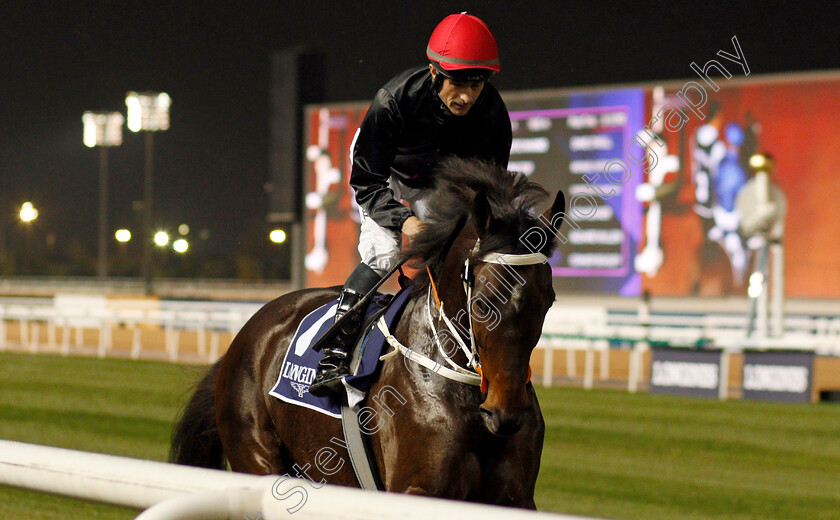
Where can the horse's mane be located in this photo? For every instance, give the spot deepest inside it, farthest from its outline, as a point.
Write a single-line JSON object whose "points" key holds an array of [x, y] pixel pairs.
{"points": [[512, 201]]}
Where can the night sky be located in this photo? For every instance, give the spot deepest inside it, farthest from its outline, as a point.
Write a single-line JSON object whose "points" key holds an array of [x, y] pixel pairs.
{"points": [[61, 58]]}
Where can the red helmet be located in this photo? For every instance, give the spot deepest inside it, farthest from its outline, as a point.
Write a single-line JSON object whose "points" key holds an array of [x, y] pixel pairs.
{"points": [[462, 42]]}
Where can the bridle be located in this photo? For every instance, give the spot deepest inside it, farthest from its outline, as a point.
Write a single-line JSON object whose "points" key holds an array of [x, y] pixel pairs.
{"points": [[472, 375]]}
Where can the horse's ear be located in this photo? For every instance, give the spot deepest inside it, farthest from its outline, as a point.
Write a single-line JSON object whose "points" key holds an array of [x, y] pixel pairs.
{"points": [[482, 214], [557, 213]]}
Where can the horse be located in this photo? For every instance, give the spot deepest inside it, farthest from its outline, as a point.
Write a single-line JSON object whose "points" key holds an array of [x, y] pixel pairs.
{"points": [[429, 434]]}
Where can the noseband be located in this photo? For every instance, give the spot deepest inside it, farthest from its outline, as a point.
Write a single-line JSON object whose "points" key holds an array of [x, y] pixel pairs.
{"points": [[472, 375]]}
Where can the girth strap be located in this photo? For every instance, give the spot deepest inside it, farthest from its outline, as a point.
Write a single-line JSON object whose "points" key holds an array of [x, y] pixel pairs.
{"points": [[360, 457]]}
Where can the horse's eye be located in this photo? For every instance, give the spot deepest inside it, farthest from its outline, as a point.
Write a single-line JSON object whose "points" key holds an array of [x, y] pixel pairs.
{"points": [[481, 307]]}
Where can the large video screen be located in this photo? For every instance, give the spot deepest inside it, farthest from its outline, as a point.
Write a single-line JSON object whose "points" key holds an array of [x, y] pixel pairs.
{"points": [[567, 142], [671, 228], [695, 242], [331, 215]]}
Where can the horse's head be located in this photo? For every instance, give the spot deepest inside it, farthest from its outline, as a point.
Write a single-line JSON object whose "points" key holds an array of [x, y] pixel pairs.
{"points": [[511, 293], [495, 284]]}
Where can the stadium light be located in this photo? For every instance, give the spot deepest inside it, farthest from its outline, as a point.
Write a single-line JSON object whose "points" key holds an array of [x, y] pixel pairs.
{"points": [[28, 213], [102, 129], [149, 112], [180, 245], [278, 236], [161, 238], [122, 235]]}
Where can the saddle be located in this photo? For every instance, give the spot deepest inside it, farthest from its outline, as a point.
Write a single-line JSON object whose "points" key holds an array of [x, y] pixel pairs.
{"points": [[299, 364]]}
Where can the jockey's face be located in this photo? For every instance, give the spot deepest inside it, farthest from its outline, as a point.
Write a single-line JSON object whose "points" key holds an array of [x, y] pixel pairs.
{"points": [[458, 96]]}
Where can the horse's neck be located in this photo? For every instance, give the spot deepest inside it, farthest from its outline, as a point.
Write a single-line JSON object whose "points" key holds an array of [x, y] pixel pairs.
{"points": [[451, 293], [426, 324]]}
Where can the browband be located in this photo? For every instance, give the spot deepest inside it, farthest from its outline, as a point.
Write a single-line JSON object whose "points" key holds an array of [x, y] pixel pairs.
{"points": [[510, 259]]}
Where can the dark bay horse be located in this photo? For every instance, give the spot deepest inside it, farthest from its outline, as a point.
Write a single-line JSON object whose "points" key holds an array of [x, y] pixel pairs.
{"points": [[429, 434]]}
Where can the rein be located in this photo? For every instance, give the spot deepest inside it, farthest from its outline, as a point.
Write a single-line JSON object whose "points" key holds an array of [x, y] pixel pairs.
{"points": [[472, 375]]}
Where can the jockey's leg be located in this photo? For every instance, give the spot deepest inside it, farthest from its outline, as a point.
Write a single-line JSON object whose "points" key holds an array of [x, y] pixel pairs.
{"points": [[337, 354], [378, 248]]}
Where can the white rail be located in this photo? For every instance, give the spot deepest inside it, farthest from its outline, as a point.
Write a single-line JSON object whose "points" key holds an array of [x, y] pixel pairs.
{"points": [[170, 492], [66, 317], [592, 329]]}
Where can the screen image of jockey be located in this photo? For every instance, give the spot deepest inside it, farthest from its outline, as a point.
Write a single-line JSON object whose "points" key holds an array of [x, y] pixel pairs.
{"points": [[731, 177], [709, 150], [719, 176], [418, 118]]}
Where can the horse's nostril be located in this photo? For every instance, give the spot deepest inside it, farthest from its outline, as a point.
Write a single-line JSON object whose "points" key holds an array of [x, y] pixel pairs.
{"points": [[499, 425], [511, 425], [491, 419]]}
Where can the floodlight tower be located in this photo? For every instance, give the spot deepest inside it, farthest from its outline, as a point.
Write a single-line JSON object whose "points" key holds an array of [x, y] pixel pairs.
{"points": [[102, 129], [148, 112]]}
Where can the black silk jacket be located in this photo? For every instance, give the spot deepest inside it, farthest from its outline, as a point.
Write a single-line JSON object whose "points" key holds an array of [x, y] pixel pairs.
{"points": [[407, 132]]}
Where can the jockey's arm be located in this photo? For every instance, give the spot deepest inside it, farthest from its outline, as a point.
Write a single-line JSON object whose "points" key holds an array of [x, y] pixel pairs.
{"points": [[373, 153]]}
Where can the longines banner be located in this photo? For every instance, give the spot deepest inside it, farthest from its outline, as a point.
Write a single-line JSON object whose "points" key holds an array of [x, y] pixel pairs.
{"points": [[778, 376], [685, 372]]}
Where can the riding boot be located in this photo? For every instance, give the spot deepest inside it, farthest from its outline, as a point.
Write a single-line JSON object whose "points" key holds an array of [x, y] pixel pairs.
{"points": [[337, 355]]}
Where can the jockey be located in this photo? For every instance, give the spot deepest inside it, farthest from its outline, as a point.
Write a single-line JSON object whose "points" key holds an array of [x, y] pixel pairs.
{"points": [[418, 118]]}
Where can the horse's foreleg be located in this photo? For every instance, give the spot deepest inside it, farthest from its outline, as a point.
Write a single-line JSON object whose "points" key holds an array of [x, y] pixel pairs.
{"points": [[444, 477], [417, 490]]}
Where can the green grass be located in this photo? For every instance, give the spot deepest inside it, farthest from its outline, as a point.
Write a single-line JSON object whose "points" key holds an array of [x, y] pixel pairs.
{"points": [[615, 455], [607, 454], [107, 406]]}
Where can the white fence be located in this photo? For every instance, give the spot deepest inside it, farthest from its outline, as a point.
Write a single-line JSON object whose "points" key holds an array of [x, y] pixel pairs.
{"points": [[68, 316], [175, 288], [594, 329], [178, 492]]}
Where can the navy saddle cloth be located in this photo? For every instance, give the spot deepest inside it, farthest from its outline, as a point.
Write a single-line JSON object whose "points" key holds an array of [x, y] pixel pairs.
{"points": [[298, 368]]}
